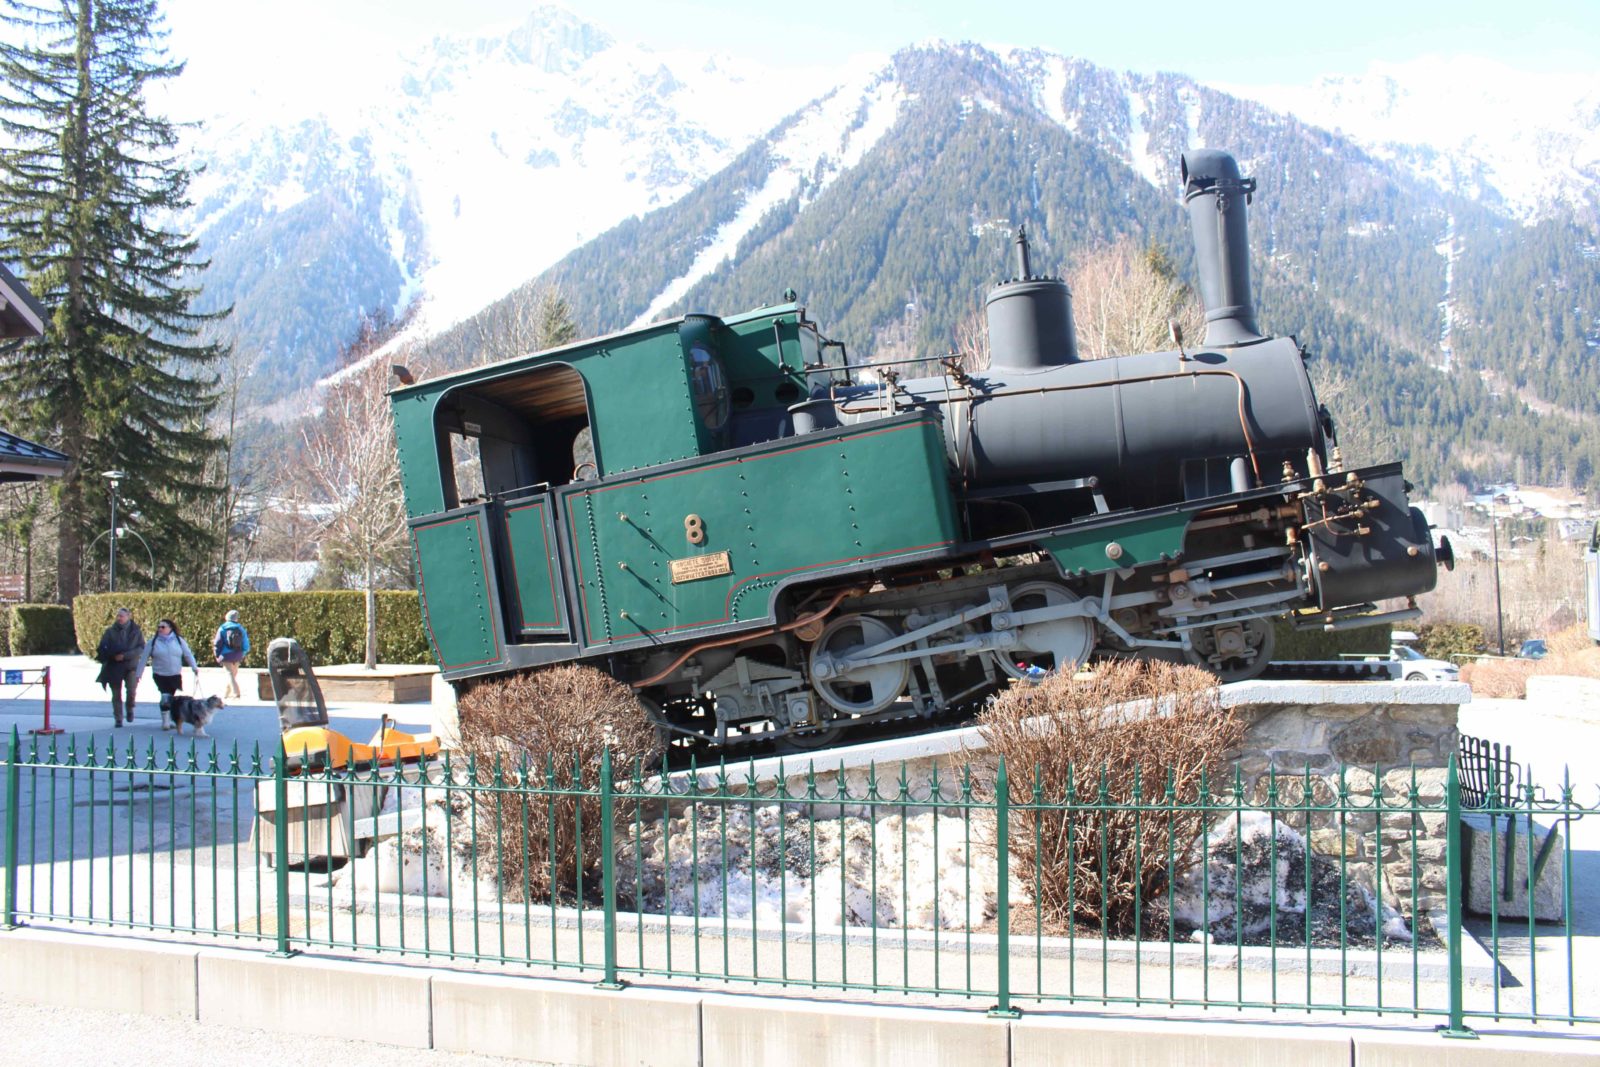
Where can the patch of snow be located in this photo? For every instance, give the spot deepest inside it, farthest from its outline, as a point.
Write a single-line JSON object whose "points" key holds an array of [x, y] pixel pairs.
{"points": [[1190, 99], [1450, 248], [830, 136], [1050, 91], [1145, 163], [1255, 879]]}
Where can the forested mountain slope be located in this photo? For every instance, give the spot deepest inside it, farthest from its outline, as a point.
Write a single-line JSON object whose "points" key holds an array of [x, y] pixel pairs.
{"points": [[1440, 332]]}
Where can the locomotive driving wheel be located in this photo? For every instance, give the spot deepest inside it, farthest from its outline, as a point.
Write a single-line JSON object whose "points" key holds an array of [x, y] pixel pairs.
{"points": [[1234, 652], [855, 690], [1059, 644]]}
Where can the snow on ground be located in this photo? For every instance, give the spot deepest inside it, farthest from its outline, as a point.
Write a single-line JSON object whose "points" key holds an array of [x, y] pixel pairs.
{"points": [[1255, 860], [1050, 91], [924, 870]]}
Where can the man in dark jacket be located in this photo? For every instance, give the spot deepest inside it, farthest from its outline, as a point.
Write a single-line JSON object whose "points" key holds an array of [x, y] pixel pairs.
{"points": [[120, 648]]}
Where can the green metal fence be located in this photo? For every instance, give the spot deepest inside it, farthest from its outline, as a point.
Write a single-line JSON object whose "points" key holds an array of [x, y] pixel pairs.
{"points": [[1340, 892]]}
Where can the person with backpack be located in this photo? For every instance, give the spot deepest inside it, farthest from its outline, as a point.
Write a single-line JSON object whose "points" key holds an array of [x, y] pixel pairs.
{"points": [[231, 644], [167, 653]]}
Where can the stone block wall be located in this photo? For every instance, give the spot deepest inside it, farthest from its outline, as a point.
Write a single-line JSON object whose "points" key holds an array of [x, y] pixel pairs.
{"points": [[1333, 734], [1343, 736]]}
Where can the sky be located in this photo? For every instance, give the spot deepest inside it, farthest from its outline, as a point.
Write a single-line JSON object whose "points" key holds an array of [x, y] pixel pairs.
{"points": [[232, 45]]}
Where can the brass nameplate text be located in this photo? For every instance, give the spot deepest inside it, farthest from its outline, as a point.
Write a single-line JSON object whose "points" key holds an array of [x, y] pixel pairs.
{"points": [[695, 567]]}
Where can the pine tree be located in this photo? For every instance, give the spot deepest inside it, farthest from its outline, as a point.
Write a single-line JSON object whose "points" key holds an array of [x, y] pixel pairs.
{"points": [[119, 380]]}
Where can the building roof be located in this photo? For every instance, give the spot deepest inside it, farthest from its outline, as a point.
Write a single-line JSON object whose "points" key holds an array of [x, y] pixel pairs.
{"points": [[23, 316], [23, 461], [20, 314]]}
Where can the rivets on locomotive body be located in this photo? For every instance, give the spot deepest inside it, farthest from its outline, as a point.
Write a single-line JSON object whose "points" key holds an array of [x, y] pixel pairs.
{"points": [[1113, 551]]}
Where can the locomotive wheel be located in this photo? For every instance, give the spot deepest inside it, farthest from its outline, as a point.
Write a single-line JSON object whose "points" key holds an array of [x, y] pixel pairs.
{"points": [[1062, 644], [865, 689], [1233, 662]]}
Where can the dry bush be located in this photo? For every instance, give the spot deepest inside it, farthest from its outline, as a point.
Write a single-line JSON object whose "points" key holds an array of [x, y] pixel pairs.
{"points": [[1570, 653], [1498, 677], [1139, 725], [548, 729]]}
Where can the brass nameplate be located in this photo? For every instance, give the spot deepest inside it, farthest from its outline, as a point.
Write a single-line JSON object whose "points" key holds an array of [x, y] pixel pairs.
{"points": [[696, 567]]}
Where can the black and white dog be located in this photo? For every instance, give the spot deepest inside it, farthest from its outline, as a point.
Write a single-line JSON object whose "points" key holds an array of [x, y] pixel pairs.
{"points": [[186, 709]]}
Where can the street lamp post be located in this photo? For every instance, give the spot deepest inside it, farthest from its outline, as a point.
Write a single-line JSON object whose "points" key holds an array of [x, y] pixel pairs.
{"points": [[1499, 614], [114, 477]]}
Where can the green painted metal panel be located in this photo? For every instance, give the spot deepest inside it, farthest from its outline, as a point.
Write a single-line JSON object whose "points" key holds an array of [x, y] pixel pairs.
{"points": [[639, 391], [530, 537], [1145, 540], [825, 500], [454, 580], [418, 447]]}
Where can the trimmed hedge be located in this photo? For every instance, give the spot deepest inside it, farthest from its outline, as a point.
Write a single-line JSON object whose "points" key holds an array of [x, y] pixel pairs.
{"points": [[5, 629], [1295, 644], [1442, 640], [40, 629], [330, 626]]}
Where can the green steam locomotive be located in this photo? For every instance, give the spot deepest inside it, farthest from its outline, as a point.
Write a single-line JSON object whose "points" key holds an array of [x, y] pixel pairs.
{"points": [[769, 541]]}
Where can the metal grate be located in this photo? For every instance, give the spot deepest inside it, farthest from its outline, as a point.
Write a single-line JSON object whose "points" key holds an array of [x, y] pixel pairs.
{"points": [[1489, 778]]}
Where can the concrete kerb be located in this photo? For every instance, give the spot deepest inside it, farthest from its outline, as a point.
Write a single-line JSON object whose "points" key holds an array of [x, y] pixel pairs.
{"points": [[1490, 1050], [317, 997], [570, 1022], [564, 1022], [1062, 1040], [738, 1031], [122, 974]]}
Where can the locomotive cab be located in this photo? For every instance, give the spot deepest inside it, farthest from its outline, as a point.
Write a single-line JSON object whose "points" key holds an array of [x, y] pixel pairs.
{"points": [[598, 496]]}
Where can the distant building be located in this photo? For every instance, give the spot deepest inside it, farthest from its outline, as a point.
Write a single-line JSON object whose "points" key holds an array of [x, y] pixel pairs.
{"points": [[282, 576]]}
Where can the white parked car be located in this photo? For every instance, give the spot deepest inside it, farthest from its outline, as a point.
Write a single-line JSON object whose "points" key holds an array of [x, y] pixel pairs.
{"points": [[1413, 666]]}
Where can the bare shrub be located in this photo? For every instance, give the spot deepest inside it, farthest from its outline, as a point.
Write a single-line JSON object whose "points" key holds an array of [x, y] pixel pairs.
{"points": [[1134, 731], [1498, 677], [547, 730], [1572, 652]]}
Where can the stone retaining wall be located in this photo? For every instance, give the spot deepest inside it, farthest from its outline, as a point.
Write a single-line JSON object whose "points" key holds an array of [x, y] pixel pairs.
{"points": [[1344, 738], [1297, 731]]}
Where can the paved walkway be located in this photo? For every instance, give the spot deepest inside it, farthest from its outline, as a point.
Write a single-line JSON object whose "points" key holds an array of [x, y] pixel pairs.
{"points": [[82, 708]]}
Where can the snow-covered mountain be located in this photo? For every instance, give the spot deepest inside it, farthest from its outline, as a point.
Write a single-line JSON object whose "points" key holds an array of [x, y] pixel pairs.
{"points": [[468, 167], [1527, 143], [475, 162]]}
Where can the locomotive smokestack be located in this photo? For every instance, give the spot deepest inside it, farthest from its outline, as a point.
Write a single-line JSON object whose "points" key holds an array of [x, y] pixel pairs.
{"points": [[1030, 319], [1216, 196]]}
